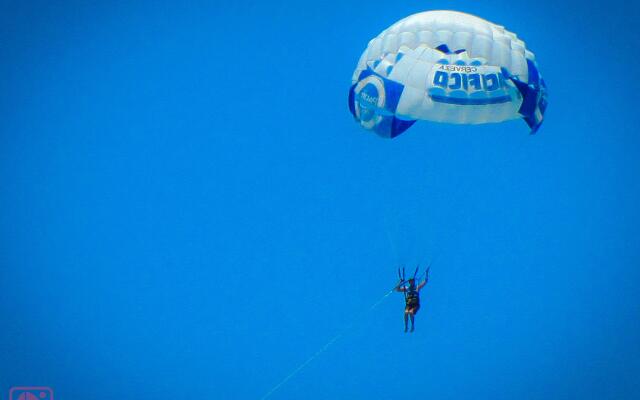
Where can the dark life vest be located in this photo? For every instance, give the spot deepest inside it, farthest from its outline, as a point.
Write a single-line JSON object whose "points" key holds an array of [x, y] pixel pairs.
{"points": [[412, 295]]}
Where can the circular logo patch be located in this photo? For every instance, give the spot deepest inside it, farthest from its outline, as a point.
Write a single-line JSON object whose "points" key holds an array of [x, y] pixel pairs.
{"points": [[370, 98]]}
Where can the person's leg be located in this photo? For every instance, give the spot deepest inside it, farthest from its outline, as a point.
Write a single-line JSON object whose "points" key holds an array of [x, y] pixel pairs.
{"points": [[412, 321], [406, 319]]}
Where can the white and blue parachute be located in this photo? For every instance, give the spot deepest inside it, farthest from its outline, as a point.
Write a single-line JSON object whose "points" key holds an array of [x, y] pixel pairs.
{"points": [[445, 66]]}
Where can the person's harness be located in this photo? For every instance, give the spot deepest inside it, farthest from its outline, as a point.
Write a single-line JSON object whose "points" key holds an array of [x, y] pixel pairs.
{"points": [[412, 297]]}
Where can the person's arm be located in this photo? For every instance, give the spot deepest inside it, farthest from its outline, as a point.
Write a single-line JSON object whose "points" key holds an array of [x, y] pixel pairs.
{"points": [[399, 287], [426, 279]]}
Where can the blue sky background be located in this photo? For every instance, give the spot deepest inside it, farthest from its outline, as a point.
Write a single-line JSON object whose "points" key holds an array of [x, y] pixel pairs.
{"points": [[188, 209]]}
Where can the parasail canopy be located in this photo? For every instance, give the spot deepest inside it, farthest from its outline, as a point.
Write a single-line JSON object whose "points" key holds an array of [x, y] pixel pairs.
{"points": [[445, 66]]}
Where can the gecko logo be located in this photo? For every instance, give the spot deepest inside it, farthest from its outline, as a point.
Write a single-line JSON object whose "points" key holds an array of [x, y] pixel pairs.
{"points": [[31, 393], [370, 99]]}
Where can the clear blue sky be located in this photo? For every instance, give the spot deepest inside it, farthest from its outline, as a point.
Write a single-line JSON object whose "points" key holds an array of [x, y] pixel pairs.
{"points": [[189, 210]]}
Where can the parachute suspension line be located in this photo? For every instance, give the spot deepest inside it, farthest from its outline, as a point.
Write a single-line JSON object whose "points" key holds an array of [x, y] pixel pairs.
{"points": [[324, 347], [425, 273], [387, 230], [393, 246]]}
